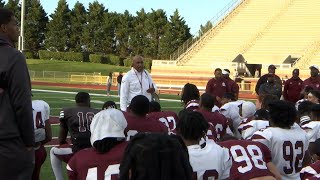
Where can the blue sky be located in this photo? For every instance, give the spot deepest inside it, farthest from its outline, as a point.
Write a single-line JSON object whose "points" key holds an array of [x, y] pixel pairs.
{"points": [[195, 12]]}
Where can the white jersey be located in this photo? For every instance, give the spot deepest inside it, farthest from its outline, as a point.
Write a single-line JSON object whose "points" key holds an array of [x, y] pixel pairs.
{"points": [[231, 111], [287, 148], [41, 113], [313, 130], [210, 161], [248, 128]]}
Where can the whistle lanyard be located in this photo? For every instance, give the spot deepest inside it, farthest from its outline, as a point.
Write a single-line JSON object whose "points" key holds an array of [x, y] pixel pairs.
{"points": [[140, 81]]}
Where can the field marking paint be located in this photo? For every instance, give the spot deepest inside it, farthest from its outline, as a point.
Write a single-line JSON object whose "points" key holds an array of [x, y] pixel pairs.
{"points": [[91, 94]]}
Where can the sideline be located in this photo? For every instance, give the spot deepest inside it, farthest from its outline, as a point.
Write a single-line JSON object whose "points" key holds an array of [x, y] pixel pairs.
{"points": [[92, 94]]}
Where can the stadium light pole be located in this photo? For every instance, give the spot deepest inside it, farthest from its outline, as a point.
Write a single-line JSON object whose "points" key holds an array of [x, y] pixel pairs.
{"points": [[21, 38]]}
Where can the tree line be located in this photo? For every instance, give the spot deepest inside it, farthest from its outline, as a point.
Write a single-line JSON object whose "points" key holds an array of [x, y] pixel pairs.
{"points": [[96, 30]]}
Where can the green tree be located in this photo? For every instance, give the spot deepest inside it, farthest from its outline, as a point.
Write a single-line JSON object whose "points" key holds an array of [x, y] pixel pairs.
{"points": [[109, 27], [156, 26], [78, 22], [123, 30], [138, 38], [58, 34], [205, 28], [14, 6], [176, 34], [35, 25], [93, 36]]}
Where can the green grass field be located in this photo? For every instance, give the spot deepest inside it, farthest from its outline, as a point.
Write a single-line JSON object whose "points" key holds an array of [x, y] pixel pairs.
{"points": [[69, 66], [61, 99]]}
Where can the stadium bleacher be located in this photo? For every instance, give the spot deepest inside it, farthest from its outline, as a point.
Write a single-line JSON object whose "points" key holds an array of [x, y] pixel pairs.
{"points": [[284, 33]]}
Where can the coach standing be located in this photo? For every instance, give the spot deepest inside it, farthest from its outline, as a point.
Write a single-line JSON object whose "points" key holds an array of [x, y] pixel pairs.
{"points": [[233, 87], [16, 121], [135, 82], [263, 79], [314, 79], [217, 86], [293, 87]]}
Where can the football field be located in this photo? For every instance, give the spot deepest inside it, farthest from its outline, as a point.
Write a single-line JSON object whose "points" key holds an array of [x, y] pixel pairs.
{"points": [[58, 98]]}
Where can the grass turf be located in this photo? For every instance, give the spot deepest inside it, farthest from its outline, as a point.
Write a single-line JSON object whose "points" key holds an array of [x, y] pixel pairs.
{"points": [[70, 66]]}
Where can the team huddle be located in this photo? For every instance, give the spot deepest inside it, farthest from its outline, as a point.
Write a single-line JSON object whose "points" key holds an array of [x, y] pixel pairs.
{"points": [[271, 139]]}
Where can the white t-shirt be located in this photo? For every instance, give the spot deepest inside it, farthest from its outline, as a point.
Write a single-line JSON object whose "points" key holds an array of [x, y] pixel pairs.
{"points": [[212, 159]]}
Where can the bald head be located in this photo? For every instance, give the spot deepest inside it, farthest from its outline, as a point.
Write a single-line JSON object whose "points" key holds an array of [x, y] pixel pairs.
{"points": [[137, 63]]}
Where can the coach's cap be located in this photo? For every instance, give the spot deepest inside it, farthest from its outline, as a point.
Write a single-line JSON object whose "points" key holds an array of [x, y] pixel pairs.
{"points": [[226, 72], [271, 66], [314, 66], [108, 123]]}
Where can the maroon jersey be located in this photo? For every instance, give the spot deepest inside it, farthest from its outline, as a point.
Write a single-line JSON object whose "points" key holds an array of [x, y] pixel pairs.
{"points": [[313, 82], [77, 121], [168, 118], [218, 124], [292, 89], [90, 164], [311, 172], [232, 86], [142, 124], [192, 105], [217, 88], [249, 159]]}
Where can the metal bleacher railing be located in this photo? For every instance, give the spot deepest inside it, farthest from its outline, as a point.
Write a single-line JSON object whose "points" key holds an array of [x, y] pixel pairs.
{"points": [[197, 38]]}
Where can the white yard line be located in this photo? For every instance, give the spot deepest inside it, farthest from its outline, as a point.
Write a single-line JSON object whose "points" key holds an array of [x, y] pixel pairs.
{"points": [[91, 94]]}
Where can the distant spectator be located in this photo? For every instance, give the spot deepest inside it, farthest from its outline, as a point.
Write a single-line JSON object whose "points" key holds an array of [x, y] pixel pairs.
{"points": [[257, 73], [233, 87], [293, 87], [119, 79], [217, 86], [263, 79], [314, 79], [271, 87], [109, 83]]}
